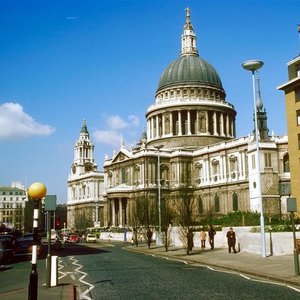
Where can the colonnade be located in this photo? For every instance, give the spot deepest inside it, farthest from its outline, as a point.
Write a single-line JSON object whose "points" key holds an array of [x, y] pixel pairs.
{"points": [[190, 122], [119, 211]]}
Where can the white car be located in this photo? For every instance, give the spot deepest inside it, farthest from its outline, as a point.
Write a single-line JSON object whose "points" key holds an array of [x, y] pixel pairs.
{"points": [[91, 238]]}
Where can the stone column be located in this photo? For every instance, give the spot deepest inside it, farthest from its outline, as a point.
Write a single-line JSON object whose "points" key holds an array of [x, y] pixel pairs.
{"points": [[227, 126], [206, 119], [120, 212], [222, 124], [215, 123], [157, 126], [113, 212], [179, 123], [152, 128]]}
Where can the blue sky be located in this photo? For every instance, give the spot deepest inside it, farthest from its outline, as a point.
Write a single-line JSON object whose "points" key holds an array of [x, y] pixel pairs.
{"points": [[63, 61]]}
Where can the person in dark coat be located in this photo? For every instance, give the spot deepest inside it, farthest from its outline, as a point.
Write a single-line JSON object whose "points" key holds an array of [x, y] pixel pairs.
{"points": [[231, 240], [211, 237], [149, 237]]}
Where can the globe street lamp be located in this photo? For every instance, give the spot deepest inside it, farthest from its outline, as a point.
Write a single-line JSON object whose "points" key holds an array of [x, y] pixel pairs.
{"points": [[253, 66], [158, 147], [36, 192]]}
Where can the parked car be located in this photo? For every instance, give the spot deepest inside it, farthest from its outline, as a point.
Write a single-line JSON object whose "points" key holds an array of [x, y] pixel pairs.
{"points": [[74, 238], [30, 236], [91, 238], [6, 252], [23, 247]]}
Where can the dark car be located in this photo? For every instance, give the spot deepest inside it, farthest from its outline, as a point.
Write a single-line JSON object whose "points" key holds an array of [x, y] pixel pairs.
{"points": [[6, 252], [23, 247]]}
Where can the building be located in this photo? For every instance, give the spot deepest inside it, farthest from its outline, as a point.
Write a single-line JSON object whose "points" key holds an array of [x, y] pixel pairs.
{"points": [[190, 150], [12, 204], [85, 186], [292, 102]]}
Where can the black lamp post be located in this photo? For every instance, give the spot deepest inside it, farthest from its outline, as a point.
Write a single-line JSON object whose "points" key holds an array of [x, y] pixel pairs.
{"points": [[36, 192]]}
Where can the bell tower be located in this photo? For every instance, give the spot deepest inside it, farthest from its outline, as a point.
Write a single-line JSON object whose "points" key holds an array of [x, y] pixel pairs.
{"points": [[83, 153]]}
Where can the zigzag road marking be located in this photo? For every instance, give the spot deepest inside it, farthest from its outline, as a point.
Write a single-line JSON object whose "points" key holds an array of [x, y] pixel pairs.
{"points": [[83, 295]]}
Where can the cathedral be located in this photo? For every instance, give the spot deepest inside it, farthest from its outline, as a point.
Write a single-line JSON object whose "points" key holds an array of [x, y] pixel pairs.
{"points": [[189, 150]]}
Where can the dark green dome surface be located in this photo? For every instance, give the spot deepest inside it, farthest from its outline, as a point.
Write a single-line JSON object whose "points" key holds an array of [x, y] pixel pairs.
{"points": [[189, 69]]}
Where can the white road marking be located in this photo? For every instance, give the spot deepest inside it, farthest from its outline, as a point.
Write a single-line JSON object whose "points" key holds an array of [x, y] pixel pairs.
{"points": [[82, 295]]}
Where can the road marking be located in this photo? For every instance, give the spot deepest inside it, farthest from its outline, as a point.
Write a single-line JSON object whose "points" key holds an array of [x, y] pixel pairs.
{"points": [[83, 295]]}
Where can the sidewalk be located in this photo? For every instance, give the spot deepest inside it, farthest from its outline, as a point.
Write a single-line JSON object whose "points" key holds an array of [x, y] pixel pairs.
{"points": [[273, 268], [65, 290]]}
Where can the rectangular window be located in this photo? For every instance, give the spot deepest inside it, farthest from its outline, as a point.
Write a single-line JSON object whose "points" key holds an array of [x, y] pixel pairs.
{"points": [[297, 94], [298, 141], [268, 160], [298, 117]]}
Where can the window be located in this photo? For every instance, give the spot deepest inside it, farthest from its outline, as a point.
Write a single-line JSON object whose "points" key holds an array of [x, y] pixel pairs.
{"points": [[298, 117], [298, 141], [235, 204], [217, 203], [286, 163], [268, 160], [297, 94]]}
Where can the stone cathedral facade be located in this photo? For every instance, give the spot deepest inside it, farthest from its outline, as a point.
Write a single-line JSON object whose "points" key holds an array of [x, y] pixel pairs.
{"points": [[191, 142]]}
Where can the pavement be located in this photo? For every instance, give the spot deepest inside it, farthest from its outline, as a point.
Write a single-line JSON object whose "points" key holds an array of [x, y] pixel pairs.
{"points": [[277, 269]]}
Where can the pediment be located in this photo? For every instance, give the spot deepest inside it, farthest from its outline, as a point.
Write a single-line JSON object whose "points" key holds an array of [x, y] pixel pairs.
{"points": [[120, 156]]}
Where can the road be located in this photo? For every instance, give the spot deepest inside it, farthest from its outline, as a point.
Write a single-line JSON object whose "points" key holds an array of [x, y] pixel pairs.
{"points": [[110, 271]]}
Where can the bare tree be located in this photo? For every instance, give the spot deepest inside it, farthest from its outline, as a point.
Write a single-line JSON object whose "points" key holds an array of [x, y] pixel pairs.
{"points": [[185, 205], [167, 217]]}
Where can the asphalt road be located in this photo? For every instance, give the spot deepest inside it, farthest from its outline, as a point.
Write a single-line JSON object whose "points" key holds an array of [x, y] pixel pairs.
{"points": [[116, 273]]}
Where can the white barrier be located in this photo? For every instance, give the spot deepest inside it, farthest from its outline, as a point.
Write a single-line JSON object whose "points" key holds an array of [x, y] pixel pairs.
{"points": [[54, 270]]}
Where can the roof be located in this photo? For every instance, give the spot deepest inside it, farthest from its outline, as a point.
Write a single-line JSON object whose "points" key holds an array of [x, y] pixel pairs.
{"points": [[189, 69]]}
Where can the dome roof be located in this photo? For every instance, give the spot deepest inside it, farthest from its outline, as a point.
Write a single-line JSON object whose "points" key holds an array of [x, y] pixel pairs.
{"points": [[189, 69]]}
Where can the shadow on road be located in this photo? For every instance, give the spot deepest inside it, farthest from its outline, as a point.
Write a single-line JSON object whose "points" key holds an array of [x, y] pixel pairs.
{"points": [[72, 249]]}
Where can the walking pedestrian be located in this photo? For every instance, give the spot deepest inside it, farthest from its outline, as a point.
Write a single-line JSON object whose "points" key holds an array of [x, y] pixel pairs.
{"points": [[211, 237], [149, 237], [202, 238], [231, 240]]}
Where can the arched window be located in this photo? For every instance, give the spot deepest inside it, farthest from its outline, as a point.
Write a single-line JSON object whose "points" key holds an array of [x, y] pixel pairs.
{"points": [[217, 203], [235, 204], [286, 163]]}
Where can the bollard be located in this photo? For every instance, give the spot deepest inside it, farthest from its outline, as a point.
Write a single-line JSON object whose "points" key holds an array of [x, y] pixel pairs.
{"points": [[54, 270]]}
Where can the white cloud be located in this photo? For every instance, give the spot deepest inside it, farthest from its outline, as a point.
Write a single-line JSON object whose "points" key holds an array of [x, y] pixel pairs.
{"points": [[108, 137], [118, 128], [134, 120], [15, 123], [116, 122]]}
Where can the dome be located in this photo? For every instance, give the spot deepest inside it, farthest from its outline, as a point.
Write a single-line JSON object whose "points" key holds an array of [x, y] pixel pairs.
{"points": [[189, 69]]}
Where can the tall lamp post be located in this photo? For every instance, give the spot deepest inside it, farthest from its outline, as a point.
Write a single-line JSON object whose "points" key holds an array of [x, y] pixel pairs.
{"points": [[253, 66], [158, 147], [36, 192]]}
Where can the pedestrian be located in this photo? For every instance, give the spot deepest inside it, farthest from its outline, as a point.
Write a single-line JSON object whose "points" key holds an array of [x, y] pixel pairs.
{"points": [[211, 237], [202, 238], [149, 237], [231, 240]]}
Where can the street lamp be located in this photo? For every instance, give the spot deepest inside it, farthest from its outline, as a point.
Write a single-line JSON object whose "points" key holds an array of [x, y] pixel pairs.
{"points": [[158, 147], [253, 66], [36, 192]]}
